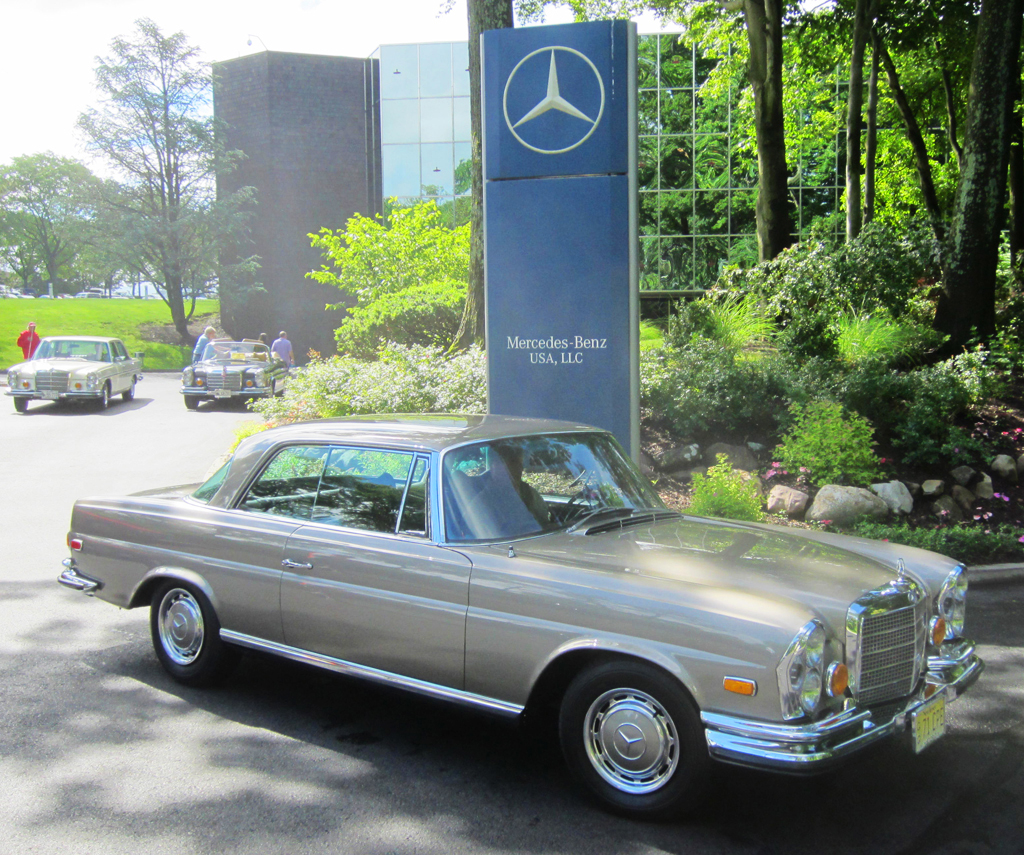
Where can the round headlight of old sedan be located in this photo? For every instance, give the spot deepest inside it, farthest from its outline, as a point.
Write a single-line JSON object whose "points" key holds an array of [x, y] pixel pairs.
{"points": [[186, 377], [952, 602], [801, 672], [92, 381], [12, 379]]}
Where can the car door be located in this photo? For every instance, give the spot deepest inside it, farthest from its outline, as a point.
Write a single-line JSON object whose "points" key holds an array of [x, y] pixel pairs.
{"points": [[123, 367], [365, 583]]}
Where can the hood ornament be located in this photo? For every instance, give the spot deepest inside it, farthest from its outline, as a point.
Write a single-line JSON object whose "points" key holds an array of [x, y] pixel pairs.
{"points": [[901, 569]]}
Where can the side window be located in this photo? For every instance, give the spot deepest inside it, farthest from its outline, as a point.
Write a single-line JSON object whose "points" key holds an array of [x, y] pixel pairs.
{"points": [[414, 511], [363, 488], [119, 351], [287, 487]]}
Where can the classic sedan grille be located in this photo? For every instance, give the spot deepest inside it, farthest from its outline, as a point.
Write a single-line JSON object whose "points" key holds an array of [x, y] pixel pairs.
{"points": [[218, 380], [885, 642], [52, 381]]}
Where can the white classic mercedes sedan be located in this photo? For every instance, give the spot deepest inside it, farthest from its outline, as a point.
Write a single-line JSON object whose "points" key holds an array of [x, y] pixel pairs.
{"points": [[520, 565]]}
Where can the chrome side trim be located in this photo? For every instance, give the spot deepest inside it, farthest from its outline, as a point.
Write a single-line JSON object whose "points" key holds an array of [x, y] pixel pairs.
{"points": [[71, 578], [376, 675]]}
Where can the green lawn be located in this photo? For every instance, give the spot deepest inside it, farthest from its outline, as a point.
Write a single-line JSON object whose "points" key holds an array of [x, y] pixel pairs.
{"points": [[116, 318]]}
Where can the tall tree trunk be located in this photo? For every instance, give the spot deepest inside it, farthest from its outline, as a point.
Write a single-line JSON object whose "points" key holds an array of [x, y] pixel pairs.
{"points": [[854, 108], [916, 139], [871, 137], [764, 35], [967, 301], [483, 15], [951, 130], [1017, 194]]}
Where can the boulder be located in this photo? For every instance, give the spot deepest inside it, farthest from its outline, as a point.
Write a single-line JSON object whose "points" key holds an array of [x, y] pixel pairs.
{"points": [[1005, 467], [647, 465], [895, 495], [846, 505], [786, 500], [932, 488], [984, 489], [739, 456], [946, 509], [963, 497], [963, 475], [1020, 466], [678, 458]]}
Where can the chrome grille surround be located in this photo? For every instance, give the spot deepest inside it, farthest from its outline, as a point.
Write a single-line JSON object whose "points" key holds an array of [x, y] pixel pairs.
{"points": [[886, 632], [224, 380], [52, 381]]}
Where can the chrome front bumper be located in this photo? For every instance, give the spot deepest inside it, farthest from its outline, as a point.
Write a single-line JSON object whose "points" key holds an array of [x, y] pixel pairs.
{"points": [[809, 748], [71, 578]]}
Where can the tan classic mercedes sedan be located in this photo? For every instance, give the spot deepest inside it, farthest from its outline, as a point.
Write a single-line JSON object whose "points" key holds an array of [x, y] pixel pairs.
{"points": [[520, 565]]}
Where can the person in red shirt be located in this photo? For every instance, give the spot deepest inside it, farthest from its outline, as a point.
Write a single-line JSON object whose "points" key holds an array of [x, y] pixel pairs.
{"points": [[28, 341]]}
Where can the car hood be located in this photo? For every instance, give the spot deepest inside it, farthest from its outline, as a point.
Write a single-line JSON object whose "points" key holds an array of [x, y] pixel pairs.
{"points": [[70, 365], [814, 570]]}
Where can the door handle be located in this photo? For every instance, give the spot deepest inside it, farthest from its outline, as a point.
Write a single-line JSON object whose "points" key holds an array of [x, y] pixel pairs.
{"points": [[296, 565]]}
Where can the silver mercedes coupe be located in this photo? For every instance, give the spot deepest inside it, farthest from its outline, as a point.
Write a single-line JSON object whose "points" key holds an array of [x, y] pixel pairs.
{"points": [[521, 565]]}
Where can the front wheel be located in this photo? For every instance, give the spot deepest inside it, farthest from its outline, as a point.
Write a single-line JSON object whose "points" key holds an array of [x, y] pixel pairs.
{"points": [[104, 399], [21, 405], [633, 737], [186, 635], [191, 402]]}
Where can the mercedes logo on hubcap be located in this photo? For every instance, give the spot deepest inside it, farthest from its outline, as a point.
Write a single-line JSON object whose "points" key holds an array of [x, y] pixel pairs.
{"points": [[554, 100], [630, 742]]}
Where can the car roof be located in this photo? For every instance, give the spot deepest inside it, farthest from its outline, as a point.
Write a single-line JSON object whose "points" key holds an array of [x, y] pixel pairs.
{"points": [[420, 431], [98, 338]]}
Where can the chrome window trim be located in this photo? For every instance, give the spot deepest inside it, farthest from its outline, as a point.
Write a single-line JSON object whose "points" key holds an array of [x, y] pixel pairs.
{"points": [[376, 675]]}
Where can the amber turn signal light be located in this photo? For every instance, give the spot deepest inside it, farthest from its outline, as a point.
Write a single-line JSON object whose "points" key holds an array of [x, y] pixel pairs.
{"points": [[938, 631], [838, 679], [739, 686]]}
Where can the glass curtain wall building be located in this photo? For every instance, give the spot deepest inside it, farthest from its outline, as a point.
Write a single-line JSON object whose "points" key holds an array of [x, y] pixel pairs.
{"points": [[425, 128], [697, 156]]}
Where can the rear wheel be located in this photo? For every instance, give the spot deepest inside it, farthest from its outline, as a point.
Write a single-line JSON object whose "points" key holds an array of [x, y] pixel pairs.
{"points": [[633, 737], [21, 405], [186, 635], [129, 393]]}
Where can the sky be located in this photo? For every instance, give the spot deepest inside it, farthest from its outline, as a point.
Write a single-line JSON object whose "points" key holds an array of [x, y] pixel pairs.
{"points": [[48, 49]]}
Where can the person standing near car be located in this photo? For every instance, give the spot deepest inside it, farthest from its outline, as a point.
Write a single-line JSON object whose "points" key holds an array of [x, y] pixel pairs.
{"points": [[201, 342], [29, 340], [283, 348]]}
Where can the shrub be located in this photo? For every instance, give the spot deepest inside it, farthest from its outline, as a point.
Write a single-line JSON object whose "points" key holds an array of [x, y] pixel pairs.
{"points": [[837, 447], [403, 379], [727, 318], [878, 338], [965, 543], [723, 492]]}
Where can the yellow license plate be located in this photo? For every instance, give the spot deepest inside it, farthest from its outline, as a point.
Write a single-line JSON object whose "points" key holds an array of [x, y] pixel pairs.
{"points": [[928, 723]]}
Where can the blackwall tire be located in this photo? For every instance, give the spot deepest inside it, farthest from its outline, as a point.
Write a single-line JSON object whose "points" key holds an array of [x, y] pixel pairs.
{"points": [[21, 405], [186, 635], [191, 402], [632, 736]]}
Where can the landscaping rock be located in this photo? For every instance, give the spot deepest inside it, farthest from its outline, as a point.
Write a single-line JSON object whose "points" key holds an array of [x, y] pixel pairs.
{"points": [[932, 488], [739, 456], [963, 497], [963, 475], [844, 506], [946, 509], [895, 495], [1020, 466], [681, 457], [914, 487], [984, 489], [647, 465], [1005, 467], [786, 500]]}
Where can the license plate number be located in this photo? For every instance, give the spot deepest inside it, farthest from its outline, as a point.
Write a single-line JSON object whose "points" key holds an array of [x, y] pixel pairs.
{"points": [[49, 396], [222, 393], [928, 723]]}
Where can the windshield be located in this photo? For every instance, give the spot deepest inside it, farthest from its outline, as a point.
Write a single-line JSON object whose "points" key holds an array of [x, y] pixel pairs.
{"points": [[229, 351], [67, 348], [517, 487]]}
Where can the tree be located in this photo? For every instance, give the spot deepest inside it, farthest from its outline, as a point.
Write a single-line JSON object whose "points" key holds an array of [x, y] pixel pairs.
{"points": [[45, 205], [967, 302], [155, 128]]}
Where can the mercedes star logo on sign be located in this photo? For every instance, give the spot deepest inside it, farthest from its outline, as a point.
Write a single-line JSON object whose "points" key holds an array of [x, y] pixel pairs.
{"points": [[554, 123]]}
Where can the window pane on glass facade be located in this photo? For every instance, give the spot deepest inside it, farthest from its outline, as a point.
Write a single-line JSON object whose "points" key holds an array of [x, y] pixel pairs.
{"points": [[650, 264], [460, 67], [710, 212], [435, 120], [435, 70], [400, 121], [463, 128], [398, 71], [677, 111], [676, 269], [400, 170], [676, 212], [438, 165], [676, 162], [463, 168], [710, 255]]}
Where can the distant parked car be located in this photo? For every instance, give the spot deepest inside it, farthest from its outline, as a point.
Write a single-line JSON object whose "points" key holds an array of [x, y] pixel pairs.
{"points": [[75, 368], [233, 369], [91, 292]]}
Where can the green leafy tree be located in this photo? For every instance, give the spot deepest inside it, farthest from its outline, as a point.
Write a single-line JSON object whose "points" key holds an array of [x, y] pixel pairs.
{"points": [[46, 203], [408, 275], [154, 127]]}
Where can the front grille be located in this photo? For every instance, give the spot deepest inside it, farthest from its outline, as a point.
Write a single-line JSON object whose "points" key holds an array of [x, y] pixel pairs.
{"points": [[52, 381], [217, 380], [885, 642]]}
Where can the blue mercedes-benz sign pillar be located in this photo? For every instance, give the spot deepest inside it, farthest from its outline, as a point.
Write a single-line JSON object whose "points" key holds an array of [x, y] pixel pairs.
{"points": [[560, 219]]}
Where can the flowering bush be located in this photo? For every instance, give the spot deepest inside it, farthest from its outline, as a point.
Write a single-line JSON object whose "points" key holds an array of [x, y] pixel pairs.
{"points": [[723, 492], [836, 447]]}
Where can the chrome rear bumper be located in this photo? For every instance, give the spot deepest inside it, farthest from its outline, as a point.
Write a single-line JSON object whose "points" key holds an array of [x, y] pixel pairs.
{"points": [[71, 578], [809, 748]]}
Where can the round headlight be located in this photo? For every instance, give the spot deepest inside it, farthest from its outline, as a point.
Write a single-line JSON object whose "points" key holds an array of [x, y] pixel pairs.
{"points": [[952, 602], [801, 672], [12, 379]]}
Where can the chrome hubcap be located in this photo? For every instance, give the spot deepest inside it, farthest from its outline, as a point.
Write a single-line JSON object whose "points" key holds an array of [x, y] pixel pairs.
{"points": [[631, 741], [180, 622]]}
